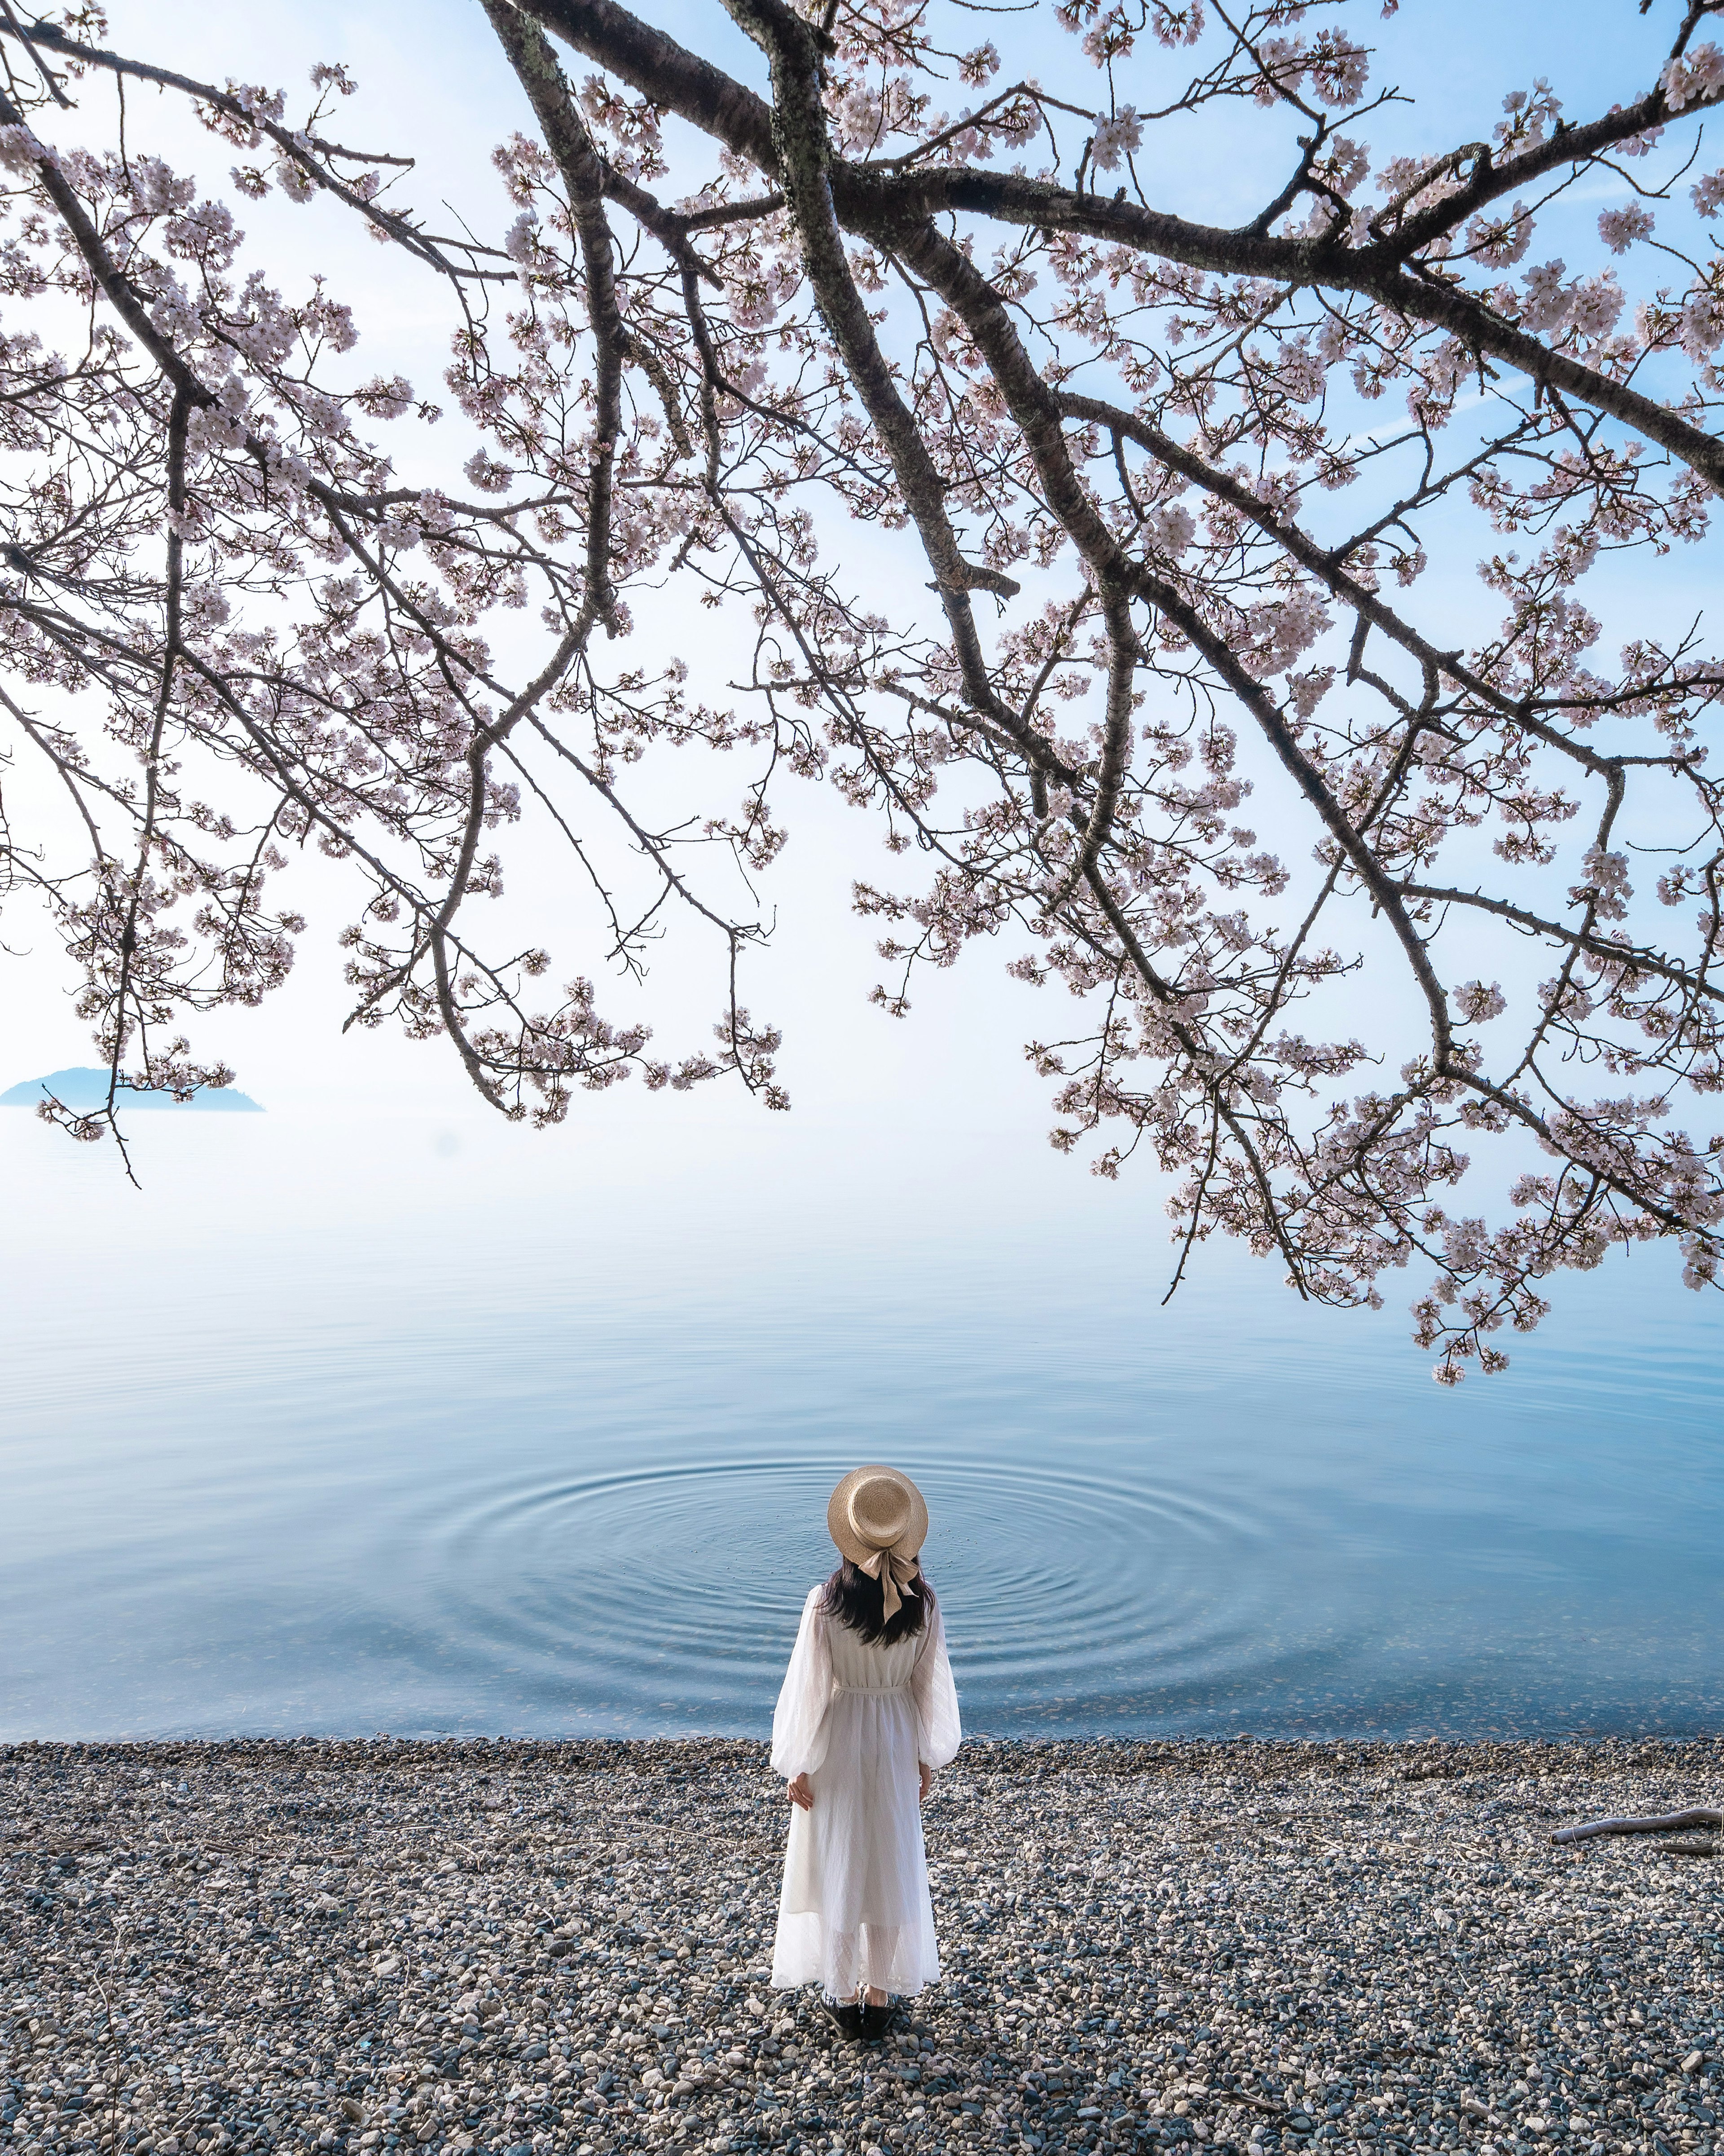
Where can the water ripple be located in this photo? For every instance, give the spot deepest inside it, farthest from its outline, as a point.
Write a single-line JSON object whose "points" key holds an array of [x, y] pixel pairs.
{"points": [[683, 1580]]}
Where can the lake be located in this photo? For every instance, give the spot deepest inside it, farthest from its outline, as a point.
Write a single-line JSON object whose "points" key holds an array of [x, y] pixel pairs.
{"points": [[360, 1426]]}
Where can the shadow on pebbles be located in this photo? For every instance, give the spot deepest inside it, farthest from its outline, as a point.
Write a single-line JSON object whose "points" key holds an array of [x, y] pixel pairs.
{"points": [[523, 1947]]}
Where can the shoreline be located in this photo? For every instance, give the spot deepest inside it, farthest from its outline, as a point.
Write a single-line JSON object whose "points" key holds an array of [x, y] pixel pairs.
{"points": [[526, 1945], [1003, 1751]]}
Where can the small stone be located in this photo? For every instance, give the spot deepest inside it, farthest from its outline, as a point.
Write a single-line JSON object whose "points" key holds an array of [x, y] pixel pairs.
{"points": [[1693, 2063]]}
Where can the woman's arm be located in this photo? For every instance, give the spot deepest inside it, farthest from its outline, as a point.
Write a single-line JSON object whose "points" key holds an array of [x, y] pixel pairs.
{"points": [[939, 1731], [799, 1720]]}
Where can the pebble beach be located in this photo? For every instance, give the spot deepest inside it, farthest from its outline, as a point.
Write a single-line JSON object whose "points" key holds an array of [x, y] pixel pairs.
{"points": [[519, 1948]]}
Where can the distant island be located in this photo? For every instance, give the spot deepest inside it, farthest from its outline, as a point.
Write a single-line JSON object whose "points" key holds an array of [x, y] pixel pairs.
{"points": [[86, 1089]]}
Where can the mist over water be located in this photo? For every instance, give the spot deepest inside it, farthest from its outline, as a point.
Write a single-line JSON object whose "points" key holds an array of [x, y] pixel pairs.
{"points": [[360, 1426]]}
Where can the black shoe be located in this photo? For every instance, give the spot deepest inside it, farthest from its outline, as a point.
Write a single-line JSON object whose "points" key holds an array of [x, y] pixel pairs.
{"points": [[877, 2021], [846, 2020]]}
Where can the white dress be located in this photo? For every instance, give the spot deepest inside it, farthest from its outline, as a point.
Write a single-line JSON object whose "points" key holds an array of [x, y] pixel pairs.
{"points": [[856, 1719]]}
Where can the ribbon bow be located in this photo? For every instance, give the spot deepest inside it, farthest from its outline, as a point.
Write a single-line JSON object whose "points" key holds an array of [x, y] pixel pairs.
{"points": [[892, 1572]]}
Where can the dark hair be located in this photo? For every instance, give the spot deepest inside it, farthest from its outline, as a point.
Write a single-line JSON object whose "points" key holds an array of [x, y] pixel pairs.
{"points": [[858, 1601]]}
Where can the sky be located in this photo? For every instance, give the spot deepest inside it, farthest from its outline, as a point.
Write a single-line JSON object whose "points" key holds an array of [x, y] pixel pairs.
{"points": [[431, 83]]}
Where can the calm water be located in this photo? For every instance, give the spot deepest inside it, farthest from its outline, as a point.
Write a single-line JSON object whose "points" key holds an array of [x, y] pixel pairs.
{"points": [[396, 1428]]}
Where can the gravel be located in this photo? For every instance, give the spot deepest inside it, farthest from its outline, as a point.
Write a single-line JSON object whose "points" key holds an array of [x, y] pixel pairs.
{"points": [[525, 1947]]}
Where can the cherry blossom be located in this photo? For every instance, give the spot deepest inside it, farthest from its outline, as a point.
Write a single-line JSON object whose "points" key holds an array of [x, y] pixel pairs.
{"points": [[1619, 228], [1383, 920], [1116, 137]]}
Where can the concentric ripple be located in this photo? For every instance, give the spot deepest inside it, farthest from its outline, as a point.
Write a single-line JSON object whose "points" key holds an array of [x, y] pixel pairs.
{"points": [[678, 1587]]}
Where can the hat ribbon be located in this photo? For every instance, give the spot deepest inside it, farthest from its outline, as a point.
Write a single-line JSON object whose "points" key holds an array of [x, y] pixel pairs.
{"points": [[892, 1572]]}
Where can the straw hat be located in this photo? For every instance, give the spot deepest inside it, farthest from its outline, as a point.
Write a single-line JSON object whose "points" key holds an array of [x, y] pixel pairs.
{"points": [[880, 1521]]}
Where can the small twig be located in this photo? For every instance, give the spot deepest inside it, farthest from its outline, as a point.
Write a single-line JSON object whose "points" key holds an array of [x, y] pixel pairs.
{"points": [[51, 80], [111, 2117]]}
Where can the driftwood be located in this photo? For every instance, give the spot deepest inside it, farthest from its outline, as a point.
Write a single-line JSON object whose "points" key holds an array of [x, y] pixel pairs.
{"points": [[1256, 2103], [1657, 1822]]}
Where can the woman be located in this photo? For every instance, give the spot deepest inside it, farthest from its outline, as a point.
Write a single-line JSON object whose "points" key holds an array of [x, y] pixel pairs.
{"points": [[868, 1712]]}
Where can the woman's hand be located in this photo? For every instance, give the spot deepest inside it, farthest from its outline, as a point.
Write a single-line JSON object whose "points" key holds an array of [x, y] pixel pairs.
{"points": [[801, 1794], [927, 1774]]}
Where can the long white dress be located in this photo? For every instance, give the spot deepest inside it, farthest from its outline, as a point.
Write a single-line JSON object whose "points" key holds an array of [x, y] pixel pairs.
{"points": [[856, 1719]]}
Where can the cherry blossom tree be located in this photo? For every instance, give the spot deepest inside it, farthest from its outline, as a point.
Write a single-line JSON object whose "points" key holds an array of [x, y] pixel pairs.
{"points": [[1179, 512]]}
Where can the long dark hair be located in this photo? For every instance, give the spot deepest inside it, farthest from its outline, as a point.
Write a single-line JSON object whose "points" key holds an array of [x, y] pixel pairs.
{"points": [[859, 1602]]}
